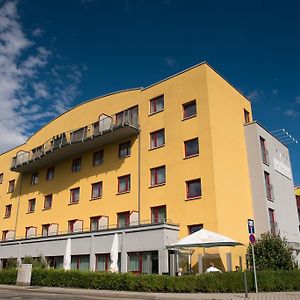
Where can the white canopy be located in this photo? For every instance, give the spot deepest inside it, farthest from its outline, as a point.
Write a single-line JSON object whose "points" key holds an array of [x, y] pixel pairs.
{"points": [[206, 239]]}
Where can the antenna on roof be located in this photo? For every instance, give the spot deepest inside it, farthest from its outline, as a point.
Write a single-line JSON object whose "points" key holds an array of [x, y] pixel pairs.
{"points": [[284, 137]]}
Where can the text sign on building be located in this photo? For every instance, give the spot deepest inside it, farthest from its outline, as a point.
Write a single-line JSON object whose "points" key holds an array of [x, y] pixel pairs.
{"points": [[251, 229], [282, 168]]}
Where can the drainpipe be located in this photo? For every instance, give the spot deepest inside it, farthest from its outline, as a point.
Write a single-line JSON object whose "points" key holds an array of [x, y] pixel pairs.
{"points": [[139, 178]]}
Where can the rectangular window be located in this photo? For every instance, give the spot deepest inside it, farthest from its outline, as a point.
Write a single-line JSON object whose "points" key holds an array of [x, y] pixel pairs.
{"points": [[158, 175], [125, 149], [191, 147], [143, 262], [8, 210], [48, 201], [158, 214], [193, 189], [123, 219], [4, 234], [96, 190], [98, 158], [80, 262], [246, 116], [157, 138], [45, 229], [268, 186], [76, 165], [31, 205], [94, 223], [1, 178], [272, 221], [74, 195], [193, 228], [11, 186], [157, 104], [34, 178], [124, 184], [71, 225], [264, 151], [189, 109], [50, 173]]}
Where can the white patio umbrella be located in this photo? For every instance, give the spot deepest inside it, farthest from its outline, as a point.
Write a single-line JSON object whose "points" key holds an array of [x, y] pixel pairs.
{"points": [[205, 239], [67, 256], [114, 252]]}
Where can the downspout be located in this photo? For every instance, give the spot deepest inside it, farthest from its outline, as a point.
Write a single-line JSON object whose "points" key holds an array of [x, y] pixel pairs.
{"points": [[139, 178]]}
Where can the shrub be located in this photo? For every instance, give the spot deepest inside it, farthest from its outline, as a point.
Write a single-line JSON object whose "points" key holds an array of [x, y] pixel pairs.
{"points": [[8, 276], [271, 253]]}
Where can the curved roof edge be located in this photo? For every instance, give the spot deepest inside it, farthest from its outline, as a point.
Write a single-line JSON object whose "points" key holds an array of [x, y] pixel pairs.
{"points": [[82, 103]]}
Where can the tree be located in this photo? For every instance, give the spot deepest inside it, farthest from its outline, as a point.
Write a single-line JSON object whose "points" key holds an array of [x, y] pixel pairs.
{"points": [[271, 253]]}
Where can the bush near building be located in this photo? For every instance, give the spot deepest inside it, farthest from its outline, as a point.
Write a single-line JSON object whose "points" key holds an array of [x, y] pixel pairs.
{"points": [[271, 253], [229, 282]]}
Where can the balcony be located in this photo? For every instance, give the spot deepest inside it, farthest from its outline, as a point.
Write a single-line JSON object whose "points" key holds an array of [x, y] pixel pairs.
{"points": [[269, 192], [108, 130]]}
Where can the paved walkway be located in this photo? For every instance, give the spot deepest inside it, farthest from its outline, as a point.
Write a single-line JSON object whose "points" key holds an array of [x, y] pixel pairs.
{"points": [[94, 294]]}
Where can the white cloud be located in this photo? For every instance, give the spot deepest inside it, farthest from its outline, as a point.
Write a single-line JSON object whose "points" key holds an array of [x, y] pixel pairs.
{"points": [[37, 32], [291, 113], [255, 95], [298, 100], [23, 91], [275, 92]]}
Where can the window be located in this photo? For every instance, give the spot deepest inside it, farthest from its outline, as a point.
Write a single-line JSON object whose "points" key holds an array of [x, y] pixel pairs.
{"points": [[98, 158], [94, 223], [48, 201], [158, 214], [80, 262], [124, 184], [268, 186], [246, 116], [71, 225], [74, 195], [4, 235], [123, 219], [124, 149], [30, 232], [1, 178], [143, 262], [45, 229], [194, 228], [264, 151], [157, 104], [193, 189], [189, 109], [158, 175], [11, 186], [8, 210], [191, 147], [31, 205], [157, 138], [34, 178], [50, 173], [272, 221], [76, 165], [96, 190]]}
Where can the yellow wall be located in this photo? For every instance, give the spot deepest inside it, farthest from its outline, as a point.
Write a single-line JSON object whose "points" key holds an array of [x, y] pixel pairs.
{"points": [[222, 166]]}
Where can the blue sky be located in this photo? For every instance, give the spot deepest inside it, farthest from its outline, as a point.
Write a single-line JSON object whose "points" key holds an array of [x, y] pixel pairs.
{"points": [[55, 54]]}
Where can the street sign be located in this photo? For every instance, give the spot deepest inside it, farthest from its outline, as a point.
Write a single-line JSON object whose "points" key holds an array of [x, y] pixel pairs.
{"points": [[252, 238], [251, 229]]}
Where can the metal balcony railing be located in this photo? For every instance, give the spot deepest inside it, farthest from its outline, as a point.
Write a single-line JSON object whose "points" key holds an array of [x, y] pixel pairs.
{"points": [[105, 125], [107, 227], [269, 192]]}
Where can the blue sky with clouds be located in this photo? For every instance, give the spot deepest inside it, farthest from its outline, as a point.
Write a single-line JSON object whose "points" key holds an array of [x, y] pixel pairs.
{"points": [[55, 54]]}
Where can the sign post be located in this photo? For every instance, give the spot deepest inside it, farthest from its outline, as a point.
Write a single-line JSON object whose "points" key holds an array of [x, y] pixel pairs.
{"points": [[252, 240]]}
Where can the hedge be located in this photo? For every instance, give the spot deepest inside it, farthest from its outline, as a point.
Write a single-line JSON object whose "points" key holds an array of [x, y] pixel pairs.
{"points": [[204, 283]]}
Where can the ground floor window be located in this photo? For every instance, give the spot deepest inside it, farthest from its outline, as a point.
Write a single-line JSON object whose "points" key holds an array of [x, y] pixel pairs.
{"points": [[103, 262], [56, 262], [143, 262], [80, 262]]}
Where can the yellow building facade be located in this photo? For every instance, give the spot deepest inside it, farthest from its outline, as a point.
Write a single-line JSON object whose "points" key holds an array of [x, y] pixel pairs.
{"points": [[174, 151]]}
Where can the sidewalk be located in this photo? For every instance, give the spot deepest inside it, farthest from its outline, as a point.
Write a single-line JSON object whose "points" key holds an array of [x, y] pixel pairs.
{"points": [[154, 296]]}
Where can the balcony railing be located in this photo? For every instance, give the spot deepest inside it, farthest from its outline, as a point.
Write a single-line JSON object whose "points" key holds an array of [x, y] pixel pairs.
{"points": [[269, 192], [108, 227], [104, 126], [265, 156]]}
